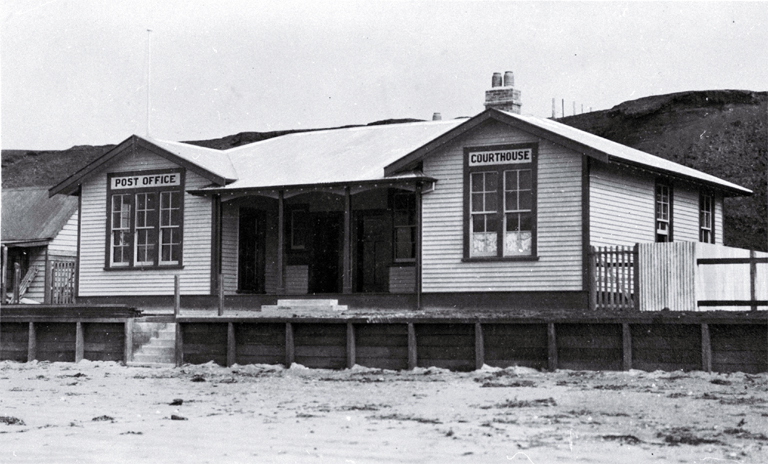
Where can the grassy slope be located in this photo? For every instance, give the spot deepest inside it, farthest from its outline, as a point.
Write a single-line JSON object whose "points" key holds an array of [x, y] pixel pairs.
{"points": [[723, 132]]}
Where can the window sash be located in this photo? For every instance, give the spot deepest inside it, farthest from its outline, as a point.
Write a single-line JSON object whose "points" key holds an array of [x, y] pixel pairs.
{"points": [[518, 216], [120, 231], [706, 218], [170, 227], [404, 218], [663, 212], [483, 213]]}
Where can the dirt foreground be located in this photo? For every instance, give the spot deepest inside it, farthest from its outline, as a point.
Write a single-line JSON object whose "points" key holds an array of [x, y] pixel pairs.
{"points": [[95, 412]]}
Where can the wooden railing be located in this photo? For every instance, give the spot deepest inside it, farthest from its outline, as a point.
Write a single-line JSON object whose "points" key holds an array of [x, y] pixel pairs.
{"points": [[613, 278], [62, 278], [728, 263]]}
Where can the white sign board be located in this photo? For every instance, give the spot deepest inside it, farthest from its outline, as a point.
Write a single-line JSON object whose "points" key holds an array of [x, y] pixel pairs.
{"points": [[495, 157], [171, 179]]}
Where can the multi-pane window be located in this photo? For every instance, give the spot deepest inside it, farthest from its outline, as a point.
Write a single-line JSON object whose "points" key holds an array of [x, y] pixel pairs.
{"points": [[663, 213], [500, 202], [299, 229], [483, 213], [145, 219], [170, 227], [518, 217], [404, 209], [706, 218], [121, 230], [146, 228]]}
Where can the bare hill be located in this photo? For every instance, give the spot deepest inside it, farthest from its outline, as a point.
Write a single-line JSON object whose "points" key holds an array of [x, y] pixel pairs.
{"points": [[722, 132]]}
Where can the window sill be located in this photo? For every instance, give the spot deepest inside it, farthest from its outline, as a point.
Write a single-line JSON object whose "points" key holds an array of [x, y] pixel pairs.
{"points": [[144, 268], [491, 259]]}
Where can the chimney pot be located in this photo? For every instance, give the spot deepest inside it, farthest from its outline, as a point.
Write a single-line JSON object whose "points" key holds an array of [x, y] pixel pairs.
{"points": [[509, 79], [496, 80], [437, 117]]}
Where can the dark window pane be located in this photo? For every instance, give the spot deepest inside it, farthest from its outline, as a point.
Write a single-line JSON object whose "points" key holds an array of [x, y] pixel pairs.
{"points": [[525, 179], [511, 199], [477, 202], [492, 224], [490, 201], [510, 181], [491, 181], [477, 182], [512, 222], [526, 221], [525, 200], [478, 223]]}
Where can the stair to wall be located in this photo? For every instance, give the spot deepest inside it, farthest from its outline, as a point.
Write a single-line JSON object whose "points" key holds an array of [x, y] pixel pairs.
{"points": [[159, 348], [308, 305]]}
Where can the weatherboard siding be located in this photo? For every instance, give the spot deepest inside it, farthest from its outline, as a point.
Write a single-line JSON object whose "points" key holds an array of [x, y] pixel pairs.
{"points": [[559, 266], [96, 281], [65, 242], [685, 213], [621, 207]]}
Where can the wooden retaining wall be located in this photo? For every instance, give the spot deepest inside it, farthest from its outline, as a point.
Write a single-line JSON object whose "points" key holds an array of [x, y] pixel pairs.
{"points": [[691, 341], [66, 334]]}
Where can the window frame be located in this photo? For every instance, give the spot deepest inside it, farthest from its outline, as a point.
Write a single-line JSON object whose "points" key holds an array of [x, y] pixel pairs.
{"points": [[702, 195], [670, 206], [395, 227], [500, 213], [157, 228]]}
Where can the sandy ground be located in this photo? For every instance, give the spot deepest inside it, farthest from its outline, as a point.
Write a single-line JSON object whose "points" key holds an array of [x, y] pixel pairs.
{"points": [[95, 412]]}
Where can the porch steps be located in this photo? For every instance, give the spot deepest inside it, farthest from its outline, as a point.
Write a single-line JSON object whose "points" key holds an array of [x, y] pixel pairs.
{"points": [[159, 350], [308, 305]]}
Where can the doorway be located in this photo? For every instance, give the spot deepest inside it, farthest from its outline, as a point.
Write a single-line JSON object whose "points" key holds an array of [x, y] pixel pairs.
{"points": [[250, 269], [325, 258], [374, 252]]}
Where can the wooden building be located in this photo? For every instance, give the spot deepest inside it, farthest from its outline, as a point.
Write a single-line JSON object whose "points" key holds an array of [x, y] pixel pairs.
{"points": [[495, 211], [40, 235]]}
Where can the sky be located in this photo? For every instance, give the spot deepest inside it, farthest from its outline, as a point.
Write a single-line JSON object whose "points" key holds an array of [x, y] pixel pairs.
{"points": [[76, 72]]}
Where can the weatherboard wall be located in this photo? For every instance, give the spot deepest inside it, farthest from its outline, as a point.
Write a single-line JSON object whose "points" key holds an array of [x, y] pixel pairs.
{"points": [[559, 264], [94, 280], [65, 242]]}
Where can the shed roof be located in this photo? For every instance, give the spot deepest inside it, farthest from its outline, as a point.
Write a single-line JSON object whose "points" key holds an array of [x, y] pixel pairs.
{"points": [[29, 215]]}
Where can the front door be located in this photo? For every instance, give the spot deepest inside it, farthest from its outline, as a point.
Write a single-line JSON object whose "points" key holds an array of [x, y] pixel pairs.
{"points": [[374, 252], [251, 251], [325, 258]]}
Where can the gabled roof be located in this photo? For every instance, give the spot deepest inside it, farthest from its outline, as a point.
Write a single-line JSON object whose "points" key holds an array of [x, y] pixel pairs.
{"points": [[207, 162], [575, 139], [30, 217]]}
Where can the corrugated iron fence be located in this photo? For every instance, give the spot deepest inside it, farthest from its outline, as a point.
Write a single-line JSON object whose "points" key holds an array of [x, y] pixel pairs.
{"points": [[613, 274], [62, 282], [667, 276]]}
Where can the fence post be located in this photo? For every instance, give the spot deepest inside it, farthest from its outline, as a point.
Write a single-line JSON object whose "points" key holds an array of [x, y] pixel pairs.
{"points": [[231, 344], [551, 347], [752, 279], [592, 279], [79, 342], [48, 279], [636, 276], [479, 346], [290, 353], [412, 353], [32, 343], [351, 348], [706, 348]]}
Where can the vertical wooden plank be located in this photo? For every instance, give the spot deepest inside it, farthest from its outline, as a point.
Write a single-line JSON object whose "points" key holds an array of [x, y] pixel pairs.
{"points": [[179, 345], [350, 345], [32, 343], [79, 342], [16, 282], [592, 279], [47, 278], [706, 349], [412, 350], [610, 274], [280, 241], [752, 279], [604, 289], [418, 263], [625, 302], [289, 346], [128, 341], [626, 345], [176, 294], [221, 294], [479, 346], [347, 264], [551, 347], [3, 288], [636, 276], [231, 344]]}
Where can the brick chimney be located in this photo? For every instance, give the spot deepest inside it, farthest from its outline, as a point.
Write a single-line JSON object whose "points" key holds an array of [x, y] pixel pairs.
{"points": [[503, 96]]}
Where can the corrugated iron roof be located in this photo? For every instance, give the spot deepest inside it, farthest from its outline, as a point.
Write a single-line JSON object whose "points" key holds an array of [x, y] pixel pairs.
{"points": [[329, 156], [211, 160], [622, 152], [29, 215]]}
